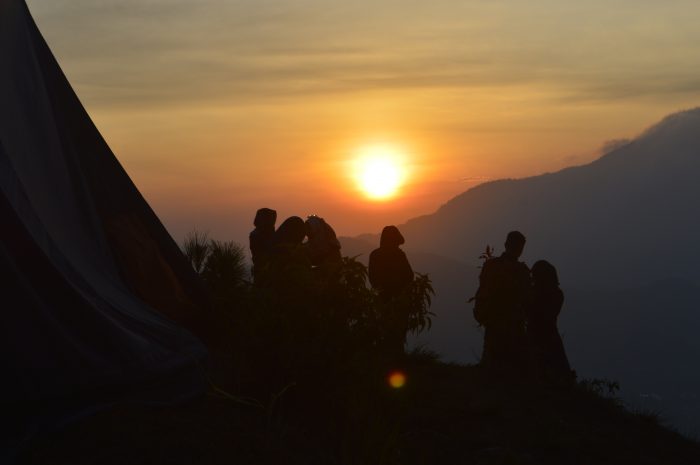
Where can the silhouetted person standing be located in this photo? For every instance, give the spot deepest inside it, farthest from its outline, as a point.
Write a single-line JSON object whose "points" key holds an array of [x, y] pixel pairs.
{"points": [[323, 247], [262, 240], [504, 285], [288, 254], [391, 275], [547, 348]]}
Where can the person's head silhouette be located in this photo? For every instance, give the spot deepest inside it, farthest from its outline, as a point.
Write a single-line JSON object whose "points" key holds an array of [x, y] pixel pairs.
{"points": [[391, 237], [292, 231], [515, 243], [265, 218], [544, 274]]}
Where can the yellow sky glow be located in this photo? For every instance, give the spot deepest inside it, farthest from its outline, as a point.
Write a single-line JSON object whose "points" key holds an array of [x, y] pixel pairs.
{"points": [[217, 108], [380, 171]]}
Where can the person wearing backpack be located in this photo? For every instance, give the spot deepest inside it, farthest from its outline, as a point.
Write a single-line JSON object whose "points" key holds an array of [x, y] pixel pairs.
{"points": [[504, 290]]}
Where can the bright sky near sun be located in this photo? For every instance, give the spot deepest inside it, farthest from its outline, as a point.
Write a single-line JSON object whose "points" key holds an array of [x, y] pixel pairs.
{"points": [[367, 112]]}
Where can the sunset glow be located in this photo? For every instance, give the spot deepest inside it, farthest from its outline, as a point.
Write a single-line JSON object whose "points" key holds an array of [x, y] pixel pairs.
{"points": [[380, 172], [217, 108]]}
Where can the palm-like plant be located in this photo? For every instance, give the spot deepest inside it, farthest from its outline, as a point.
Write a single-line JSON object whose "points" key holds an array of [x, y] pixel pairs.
{"points": [[196, 248], [225, 264], [222, 264]]}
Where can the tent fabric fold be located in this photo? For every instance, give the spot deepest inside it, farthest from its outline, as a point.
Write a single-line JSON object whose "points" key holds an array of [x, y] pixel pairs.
{"points": [[98, 302]]}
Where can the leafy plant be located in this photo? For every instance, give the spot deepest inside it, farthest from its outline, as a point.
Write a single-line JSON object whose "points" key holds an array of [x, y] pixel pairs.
{"points": [[420, 298], [222, 264], [486, 255]]}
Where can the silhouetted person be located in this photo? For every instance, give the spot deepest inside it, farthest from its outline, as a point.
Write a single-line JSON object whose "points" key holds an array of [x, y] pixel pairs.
{"points": [[291, 233], [504, 286], [547, 349], [262, 240], [391, 275], [288, 255], [323, 247]]}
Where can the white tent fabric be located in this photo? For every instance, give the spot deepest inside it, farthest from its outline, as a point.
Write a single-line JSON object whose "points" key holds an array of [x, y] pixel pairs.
{"points": [[90, 280]]}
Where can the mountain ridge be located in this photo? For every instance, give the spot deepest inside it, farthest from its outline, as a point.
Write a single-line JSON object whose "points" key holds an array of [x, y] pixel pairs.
{"points": [[623, 204], [622, 232]]}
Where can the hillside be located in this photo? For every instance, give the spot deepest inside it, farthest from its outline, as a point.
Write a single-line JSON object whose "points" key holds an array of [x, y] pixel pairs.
{"points": [[445, 414]]}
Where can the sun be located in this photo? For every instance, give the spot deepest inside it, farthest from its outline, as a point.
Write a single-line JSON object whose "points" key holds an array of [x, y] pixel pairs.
{"points": [[380, 171]]}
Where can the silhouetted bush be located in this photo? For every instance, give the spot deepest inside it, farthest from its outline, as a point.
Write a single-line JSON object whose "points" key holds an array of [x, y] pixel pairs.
{"points": [[419, 301], [300, 325], [225, 267], [222, 265]]}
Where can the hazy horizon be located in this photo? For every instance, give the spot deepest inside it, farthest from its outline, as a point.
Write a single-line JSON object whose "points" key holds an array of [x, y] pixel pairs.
{"points": [[217, 108]]}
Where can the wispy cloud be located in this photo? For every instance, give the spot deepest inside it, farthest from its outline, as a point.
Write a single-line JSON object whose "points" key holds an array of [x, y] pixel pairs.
{"points": [[156, 51], [187, 90]]}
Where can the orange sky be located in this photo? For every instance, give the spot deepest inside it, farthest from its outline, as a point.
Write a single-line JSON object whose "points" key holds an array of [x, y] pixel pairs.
{"points": [[218, 107]]}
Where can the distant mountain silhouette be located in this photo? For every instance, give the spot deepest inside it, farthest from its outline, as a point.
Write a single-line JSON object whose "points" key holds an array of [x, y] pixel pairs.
{"points": [[622, 232], [628, 218]]}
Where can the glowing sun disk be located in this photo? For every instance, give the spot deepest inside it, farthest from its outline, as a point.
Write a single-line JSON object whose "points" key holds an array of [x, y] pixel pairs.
{"points": [[379, 172]]}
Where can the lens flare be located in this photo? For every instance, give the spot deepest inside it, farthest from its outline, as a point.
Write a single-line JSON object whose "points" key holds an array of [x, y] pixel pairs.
{"points": [[397, 379]]}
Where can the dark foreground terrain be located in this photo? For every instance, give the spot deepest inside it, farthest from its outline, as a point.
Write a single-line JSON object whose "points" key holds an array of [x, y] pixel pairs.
{"points": [[443, 414]]}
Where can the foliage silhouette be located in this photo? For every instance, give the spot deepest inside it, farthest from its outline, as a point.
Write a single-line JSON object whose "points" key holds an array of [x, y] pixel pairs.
{"points": [[222, 264], [308, 339], [298, 325], [196, 248], [225, 267], [486, 255]]}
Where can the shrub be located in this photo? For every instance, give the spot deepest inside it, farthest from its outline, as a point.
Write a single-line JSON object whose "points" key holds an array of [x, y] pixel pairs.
{"points": [[222, 264], [225, 266], [301, 325]]}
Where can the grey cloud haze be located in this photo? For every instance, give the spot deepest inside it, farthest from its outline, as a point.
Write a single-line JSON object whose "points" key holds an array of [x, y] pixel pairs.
{"points": [[156, 52], [185, 91]]}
